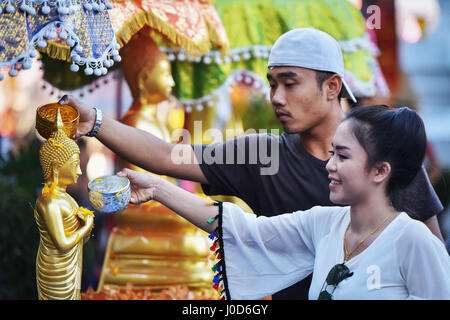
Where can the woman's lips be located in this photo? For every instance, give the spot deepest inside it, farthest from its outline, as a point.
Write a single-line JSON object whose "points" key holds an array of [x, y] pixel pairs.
{"points": [[334, 183]]}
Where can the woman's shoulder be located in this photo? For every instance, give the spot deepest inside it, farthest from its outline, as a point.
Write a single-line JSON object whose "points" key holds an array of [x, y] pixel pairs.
{"points": [[410, 227], [322, 213], [409, 233], [323, 219]]}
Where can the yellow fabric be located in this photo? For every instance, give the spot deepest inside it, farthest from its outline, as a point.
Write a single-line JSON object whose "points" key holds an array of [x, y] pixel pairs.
{"points": [[166, 32]]}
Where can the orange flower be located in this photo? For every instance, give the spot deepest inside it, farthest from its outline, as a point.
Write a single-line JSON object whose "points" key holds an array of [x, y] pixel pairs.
{"points": [[130, 293]]}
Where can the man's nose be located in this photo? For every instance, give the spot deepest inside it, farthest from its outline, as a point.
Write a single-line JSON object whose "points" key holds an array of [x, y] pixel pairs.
{"points": [[278, 98]]}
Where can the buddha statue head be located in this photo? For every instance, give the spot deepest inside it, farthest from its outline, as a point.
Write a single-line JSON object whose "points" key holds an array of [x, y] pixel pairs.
{"points": [[60, 157], [147, 70]]}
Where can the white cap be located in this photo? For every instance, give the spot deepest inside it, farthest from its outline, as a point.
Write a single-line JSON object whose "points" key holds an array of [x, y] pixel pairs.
{"points": [[312, 49]]}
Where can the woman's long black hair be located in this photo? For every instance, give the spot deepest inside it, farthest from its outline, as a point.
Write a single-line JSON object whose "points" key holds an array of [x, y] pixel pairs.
{"points": [[395, 136]]}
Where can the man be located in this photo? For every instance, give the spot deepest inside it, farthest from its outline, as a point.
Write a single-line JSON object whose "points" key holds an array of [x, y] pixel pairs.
{"points": [[306, 78]]}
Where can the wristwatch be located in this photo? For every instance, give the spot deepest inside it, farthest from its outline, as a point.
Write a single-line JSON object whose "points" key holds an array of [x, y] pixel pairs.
{"points": [[98, 123]]}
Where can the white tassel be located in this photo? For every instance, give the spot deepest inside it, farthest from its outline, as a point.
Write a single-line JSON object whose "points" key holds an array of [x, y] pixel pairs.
{"points": [[63, 35], [13, 72], [45, 9], [70, 42], [9, 8], [207, 60], [27, 64], [88, 71], [74, 67]]}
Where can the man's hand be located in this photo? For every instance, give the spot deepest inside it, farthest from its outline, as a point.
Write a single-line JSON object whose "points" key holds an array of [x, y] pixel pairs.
{"points": [[87, 115], [143, 185]]}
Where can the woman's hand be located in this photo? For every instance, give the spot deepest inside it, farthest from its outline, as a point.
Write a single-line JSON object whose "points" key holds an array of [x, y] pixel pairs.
{"points": [[143, 185], [87, 115]]}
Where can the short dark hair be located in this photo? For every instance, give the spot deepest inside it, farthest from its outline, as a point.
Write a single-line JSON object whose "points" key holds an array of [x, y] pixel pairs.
{"points": [[322, 76], [395, 136]]}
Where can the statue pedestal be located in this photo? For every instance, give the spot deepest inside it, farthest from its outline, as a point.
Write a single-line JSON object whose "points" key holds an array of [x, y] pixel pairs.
{"points": [[154, 248]]}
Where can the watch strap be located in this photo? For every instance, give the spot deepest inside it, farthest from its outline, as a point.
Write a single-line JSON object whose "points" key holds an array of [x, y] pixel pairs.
{"points": [[98, 123]]}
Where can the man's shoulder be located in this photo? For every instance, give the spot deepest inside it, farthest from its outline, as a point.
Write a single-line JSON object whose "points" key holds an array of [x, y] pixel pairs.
{"points": [[284, 140], [264, 136]]}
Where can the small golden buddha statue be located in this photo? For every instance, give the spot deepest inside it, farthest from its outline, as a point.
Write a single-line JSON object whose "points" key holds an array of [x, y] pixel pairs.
{"points": [[151, 246], [63, 226]]}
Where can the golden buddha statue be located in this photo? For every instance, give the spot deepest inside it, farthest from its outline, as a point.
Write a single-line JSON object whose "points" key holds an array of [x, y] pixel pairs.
{"points": [[63, 226], [151, 246]]}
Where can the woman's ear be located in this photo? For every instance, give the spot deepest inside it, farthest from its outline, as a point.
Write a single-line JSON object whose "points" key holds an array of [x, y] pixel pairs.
{"points": [[381, 172]]}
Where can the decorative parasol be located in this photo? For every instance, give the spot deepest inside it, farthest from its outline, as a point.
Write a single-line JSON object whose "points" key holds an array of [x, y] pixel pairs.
{"points": [[187, 28], [78, 31], [191, 26]]}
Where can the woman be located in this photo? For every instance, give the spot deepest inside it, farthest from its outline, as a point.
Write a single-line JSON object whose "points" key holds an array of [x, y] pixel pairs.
{"points": [[367, 250]]}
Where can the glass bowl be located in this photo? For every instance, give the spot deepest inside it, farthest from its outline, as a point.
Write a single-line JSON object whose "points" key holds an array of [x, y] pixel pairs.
{"points": [[110, 193]]}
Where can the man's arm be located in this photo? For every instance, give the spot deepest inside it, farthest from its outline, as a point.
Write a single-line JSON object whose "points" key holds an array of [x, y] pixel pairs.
{"points": [[137, 146], [433, 224], [421, 201]]}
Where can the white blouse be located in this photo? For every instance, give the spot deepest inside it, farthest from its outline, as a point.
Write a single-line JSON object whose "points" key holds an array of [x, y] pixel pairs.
{"points": [[263, 255]]}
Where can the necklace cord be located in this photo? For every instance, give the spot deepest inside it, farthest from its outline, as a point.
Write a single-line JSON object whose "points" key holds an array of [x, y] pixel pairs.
{"points": [[348, 254]]}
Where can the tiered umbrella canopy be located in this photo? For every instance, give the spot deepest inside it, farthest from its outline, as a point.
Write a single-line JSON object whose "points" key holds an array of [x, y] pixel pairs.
{"points": [[73, 30]]}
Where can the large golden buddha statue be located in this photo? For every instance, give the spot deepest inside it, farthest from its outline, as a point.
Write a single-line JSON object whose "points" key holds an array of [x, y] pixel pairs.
{"points": [[151, 246], [63, 226], [148, 74]]}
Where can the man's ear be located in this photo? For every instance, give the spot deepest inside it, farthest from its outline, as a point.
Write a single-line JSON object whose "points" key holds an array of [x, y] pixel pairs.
{"points": [[381, 172], [333, 86]]}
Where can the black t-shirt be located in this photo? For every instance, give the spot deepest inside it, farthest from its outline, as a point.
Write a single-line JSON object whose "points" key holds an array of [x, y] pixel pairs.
{"points": [[275, 174]]}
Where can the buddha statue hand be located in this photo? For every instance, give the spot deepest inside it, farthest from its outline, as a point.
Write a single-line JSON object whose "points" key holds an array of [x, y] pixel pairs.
{"points": [[88, 221], [84, 213]]}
